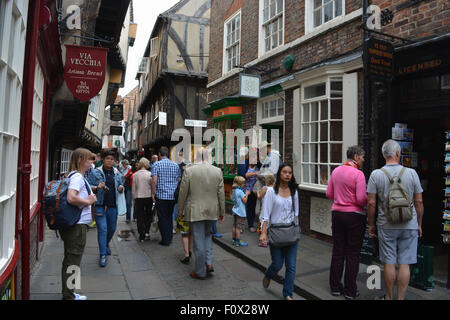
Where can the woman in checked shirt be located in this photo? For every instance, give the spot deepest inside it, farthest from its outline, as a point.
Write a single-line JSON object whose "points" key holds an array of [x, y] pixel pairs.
{"points": [[281, 206]]}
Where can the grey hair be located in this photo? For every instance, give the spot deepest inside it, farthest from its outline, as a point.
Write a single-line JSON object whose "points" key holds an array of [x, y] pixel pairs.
{"points": [[351, 151], [202, 155], [125, 162], [390, 149]]}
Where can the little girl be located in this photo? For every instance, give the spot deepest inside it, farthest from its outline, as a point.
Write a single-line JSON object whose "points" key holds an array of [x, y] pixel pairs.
{"points": [[269, 181], [239, 213]]}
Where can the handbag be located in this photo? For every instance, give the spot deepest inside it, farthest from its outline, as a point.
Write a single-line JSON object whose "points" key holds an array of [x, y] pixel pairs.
{"points": [[283, 234]]}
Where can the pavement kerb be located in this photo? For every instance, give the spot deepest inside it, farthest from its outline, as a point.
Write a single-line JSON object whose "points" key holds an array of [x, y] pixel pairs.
{"points": [[307, 294]]}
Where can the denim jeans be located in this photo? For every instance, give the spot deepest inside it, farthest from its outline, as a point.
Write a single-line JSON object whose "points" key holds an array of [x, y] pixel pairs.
{"points": [[106, 226], [214, 227], [203, 250], [164, 209], [282, 255], [129, 199]]}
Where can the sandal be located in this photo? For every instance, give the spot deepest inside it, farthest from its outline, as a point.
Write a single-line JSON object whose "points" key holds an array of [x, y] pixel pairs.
{"points": [[185, 260]]}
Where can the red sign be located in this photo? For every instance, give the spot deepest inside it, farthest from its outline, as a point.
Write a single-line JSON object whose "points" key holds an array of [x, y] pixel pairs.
{"points": [[85, 70]]}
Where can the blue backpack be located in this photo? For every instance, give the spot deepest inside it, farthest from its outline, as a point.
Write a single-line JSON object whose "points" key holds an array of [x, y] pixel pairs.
{"points": [[58, 212]]}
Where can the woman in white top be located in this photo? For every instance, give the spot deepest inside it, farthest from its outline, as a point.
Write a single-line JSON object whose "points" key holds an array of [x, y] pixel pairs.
{"points": [[74, 237], [142, 198], [281, 206]]}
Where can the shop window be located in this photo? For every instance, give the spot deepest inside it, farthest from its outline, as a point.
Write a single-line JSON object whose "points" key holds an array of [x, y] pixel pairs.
{"points": [[232, 42], [321, 131], [65, 161], [13, 20], [231, 122], [272, 27]]}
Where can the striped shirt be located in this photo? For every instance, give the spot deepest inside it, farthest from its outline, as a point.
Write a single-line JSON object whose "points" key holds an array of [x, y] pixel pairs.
{"points": [[167, 173]]}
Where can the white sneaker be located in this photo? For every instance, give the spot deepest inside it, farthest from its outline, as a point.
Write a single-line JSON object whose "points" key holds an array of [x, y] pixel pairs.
{"points": [[78, 297]]}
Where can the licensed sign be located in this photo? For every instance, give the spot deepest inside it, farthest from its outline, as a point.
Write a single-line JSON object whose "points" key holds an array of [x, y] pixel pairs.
{"points": [[379, 59], [84, 70], [116, 112], [115, 131]]}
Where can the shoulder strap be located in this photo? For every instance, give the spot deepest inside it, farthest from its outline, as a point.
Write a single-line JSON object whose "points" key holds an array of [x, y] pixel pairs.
{"points": [[401, 174], [391, 180]]}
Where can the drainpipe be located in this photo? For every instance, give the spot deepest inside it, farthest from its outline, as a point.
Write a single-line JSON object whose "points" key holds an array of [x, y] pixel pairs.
{"points": [[26, 118], [367, 98]]}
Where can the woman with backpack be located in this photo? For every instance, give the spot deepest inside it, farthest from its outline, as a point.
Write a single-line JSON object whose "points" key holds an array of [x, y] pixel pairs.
{"points": [[74, 237]]}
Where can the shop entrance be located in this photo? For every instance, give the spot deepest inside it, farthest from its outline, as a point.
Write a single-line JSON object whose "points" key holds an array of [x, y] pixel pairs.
{"points": [[423, 105]]}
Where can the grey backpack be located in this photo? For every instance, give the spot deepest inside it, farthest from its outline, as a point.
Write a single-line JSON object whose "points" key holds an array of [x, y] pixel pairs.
{"points": [[398, 207]]}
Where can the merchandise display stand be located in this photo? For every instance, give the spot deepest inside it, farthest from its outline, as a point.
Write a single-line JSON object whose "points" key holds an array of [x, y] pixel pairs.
{"points": [[446, 212]]}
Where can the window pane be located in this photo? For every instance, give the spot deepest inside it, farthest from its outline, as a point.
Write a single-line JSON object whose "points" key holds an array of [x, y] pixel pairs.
{"points": [[305, 133], [305, 153], [324, 131], [305, 113], [314, 133], [279, 6], [317, 17], [316, 90], [265, 110], [336, 153], [314, 178], [323, 153], [314, 111], [268, 44], [336, 130], [324, 110], [274, 40], [273, 108], [337, 8], [328, 12], [317, 3], [336, 109], [313, 152], [305, 174], [323, 174], [272, 9], [280, 107], [336, 88]]}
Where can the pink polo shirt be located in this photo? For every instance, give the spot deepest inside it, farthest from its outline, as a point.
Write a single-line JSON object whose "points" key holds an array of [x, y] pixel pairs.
{"points": [[347, 189]]}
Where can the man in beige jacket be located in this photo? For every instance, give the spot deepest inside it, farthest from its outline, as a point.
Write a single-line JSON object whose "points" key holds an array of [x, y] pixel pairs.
{"points": [[202, 199]]}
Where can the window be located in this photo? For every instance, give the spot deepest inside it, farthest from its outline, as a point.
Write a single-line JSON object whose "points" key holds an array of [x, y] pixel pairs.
{"points": [[65, 160], [145, 119], [232, 42], [272, 24], [143, 65], [13, 20], [154, 47], [321, 131], [326, 10], [271, 109], [94, 107]]}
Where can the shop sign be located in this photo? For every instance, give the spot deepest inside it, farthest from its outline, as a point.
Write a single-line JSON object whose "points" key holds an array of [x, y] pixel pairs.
{"points": [[115, 131], [162, 119], [84, 70], [418, 67], [379, 57], [195, 123], [249, 86], [116, 112]]}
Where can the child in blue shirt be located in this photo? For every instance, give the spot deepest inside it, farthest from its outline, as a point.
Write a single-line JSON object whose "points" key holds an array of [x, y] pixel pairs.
{"points": [[239, 198]]}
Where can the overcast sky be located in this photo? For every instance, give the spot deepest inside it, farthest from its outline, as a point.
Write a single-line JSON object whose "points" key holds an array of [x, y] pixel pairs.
{"points": [[145, 14]]}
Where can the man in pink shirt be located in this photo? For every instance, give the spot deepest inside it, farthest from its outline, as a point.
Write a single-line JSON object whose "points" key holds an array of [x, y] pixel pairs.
{"points": [[347, 189]]}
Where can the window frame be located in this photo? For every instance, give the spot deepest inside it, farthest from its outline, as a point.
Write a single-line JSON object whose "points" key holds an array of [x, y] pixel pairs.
{"points": [[154, 47], [260, 110], [238, 43], [262, 27], [317, 163], [91, 113], [309, 15]]}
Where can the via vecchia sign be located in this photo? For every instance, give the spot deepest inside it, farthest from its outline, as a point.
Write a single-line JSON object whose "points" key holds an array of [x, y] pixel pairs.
{"points": [[84, 71]]}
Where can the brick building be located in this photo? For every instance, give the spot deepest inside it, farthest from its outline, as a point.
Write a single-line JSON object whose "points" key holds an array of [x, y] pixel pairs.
{"points": [[309, 55]]}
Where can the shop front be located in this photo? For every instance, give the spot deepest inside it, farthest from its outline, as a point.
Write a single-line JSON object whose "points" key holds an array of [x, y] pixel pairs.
{"points": [[420, 118]]}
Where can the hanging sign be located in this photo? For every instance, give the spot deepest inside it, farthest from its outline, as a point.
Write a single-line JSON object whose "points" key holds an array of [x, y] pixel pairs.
{"points": [[115, 131], [116, 112], [380, 59], [84, 71], [249, 85]]}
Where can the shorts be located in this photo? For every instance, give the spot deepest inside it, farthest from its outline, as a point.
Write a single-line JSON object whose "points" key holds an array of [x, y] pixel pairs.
{"points": [[398, 246], [239, 222]]}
